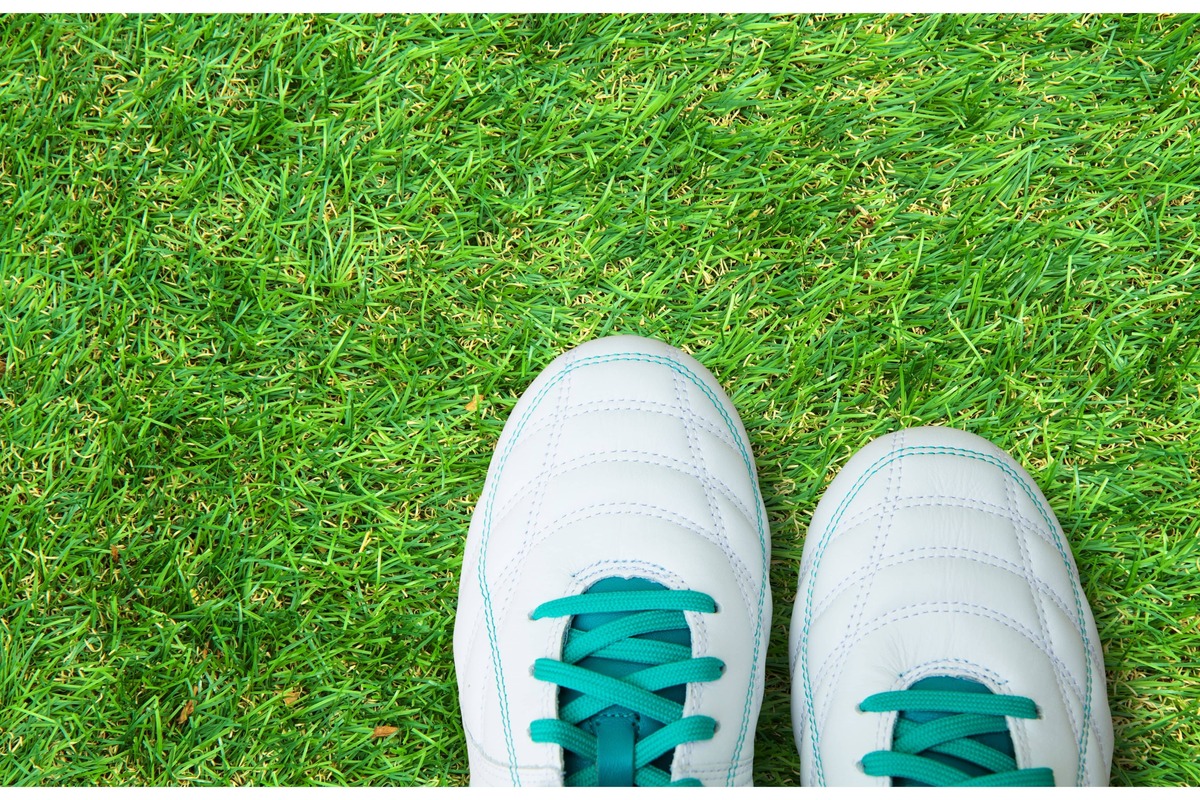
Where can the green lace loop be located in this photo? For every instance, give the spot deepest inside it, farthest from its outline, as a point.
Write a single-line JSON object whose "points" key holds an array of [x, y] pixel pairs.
{"points": [[951, 719], [652, 666]]}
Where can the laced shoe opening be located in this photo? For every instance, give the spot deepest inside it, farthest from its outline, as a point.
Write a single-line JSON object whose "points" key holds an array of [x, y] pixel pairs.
{"points": [[952, 732], [626, 664]]}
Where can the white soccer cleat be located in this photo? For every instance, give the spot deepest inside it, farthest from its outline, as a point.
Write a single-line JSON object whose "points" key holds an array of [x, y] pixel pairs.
{"points": [[614, 607], [940, 634]]}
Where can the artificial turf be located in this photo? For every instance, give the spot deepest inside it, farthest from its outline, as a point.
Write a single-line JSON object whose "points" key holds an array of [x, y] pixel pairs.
{"points": [[270, 287]]}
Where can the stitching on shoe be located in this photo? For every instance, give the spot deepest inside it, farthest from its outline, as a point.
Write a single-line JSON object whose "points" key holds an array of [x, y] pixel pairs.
{"points": [[891, 494], [489, 617], [744, 579], [499, 767], [720, 770], [1039, 606], [637, 457], [938, 666], [609, 567], [1047, 517], [967, 609], [509, 577], [644, 406], [951, 501], [694, 692], [822, 605], [1054, 660], [943, 551], [718, 520], [998, 681]]}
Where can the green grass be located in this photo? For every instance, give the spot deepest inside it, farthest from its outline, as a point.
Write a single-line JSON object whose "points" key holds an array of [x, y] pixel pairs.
{"points": [[254, 273]]}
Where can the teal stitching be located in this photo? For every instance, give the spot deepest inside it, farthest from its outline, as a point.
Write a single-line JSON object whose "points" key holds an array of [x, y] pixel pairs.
{"points": [[1085, 727], [487, 532]]}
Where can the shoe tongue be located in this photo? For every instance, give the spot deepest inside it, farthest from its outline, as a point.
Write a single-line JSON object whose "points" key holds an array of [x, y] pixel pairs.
{"points": [[617, 729], [998, 741], [616, 735]]}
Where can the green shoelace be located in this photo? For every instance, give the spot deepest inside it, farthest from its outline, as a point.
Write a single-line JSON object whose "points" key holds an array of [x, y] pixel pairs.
{"points": [[622, 679], [952, 732]]}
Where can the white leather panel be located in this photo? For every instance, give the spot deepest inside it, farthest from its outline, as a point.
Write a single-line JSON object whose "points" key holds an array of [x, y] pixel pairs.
{"points": [[623, 458], [933, 553]]}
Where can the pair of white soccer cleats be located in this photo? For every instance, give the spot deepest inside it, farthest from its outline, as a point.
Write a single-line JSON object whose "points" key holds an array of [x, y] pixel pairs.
{"points": [[614, 609]]}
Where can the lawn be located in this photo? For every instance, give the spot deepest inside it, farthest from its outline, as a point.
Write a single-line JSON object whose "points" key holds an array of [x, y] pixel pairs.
{"points": [[270, 286]]}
